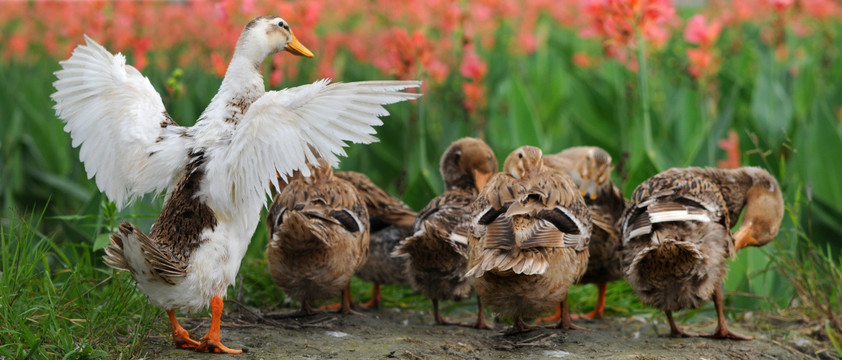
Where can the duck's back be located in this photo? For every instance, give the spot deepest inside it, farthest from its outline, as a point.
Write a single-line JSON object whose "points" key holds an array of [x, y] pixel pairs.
{"points": [[437, 252], [319, 238], [676, 239]]}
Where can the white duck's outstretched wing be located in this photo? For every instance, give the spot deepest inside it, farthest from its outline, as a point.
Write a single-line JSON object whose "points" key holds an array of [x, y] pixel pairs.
{"points": [[279, 130], [128, 141]]}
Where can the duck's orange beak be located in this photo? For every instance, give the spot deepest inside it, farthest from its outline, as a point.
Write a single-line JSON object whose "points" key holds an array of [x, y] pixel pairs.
{"points": [[297, 48], [481, 178], [744, 237]]}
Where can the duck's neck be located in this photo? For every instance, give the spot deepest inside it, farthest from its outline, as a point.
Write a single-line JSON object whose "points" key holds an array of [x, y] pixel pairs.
{"points": [[241, 86], [737, 183], [243, 81]]}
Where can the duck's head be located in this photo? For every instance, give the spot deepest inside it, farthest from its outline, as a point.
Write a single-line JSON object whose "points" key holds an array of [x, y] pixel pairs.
{"points": [[524, 162], [266, 35], [764, 210], [590, 170], [467, 163]]}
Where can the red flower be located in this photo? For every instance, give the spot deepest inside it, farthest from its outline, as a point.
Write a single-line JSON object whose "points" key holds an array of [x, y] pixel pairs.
{"points": [[219, 66], [699, 32], [472, 66], [732, 148], [781, 5], [618, 22]]}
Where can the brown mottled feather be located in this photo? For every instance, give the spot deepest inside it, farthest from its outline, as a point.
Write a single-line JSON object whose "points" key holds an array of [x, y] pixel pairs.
{"points": [[437, 252], [591, 166], [176, 233], [678, 264], [520, 261], [391, 221], [319, 238]]}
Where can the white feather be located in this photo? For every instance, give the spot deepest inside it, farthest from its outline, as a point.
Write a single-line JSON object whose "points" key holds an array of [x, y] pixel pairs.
{"points": [[116, 116], [677, 215], [275, 133]]}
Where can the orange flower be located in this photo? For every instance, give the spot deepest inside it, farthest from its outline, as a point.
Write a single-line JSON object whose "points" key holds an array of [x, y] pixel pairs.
{"points": [[582, 60], [732, 149], [701, 62], [474, 96]]}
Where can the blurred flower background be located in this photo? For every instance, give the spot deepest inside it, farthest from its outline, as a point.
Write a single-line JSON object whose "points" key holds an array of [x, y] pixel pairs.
{"points": [[657, 83]]}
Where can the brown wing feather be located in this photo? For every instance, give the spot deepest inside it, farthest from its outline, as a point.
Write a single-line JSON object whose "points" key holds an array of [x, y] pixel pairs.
{"points": [[379, 203]]}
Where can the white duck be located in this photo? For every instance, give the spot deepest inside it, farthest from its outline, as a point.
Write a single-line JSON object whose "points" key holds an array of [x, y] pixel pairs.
{"points": [[217, 173]]}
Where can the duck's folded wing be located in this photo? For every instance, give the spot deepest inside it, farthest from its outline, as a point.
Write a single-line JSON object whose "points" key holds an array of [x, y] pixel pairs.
{"points": [[284, 130], [128, 141]]}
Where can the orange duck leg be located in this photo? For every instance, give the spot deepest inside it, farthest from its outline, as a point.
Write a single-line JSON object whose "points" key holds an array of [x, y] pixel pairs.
{"points": [[211, 342]]}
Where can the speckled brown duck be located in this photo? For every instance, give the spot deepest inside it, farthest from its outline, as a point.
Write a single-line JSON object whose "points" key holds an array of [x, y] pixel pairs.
{"points": [[318, 237], [391, 221], [437, 253], [529, 239], [590, 168], [677, 239]]}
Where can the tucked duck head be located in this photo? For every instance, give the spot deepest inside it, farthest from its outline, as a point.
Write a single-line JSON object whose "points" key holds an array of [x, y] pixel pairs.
{"points": [[524, 162], [589, 167], [467, 163], [595, 170], [267, 35], [763, 213]]}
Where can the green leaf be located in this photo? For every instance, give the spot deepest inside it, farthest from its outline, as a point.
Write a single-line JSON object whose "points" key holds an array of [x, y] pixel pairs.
{"points": [[101, 241]]}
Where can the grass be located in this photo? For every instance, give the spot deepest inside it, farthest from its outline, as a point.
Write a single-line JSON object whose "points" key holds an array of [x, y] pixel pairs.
{"points": [[57, 302], [57, 298]]}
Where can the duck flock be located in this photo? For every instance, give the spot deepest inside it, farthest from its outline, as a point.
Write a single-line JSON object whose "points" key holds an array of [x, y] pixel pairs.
{"points": [[518, 238]]}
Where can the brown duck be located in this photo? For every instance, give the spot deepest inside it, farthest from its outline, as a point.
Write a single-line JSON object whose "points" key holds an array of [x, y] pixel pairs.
{"points": [[318, 237], [590, 168], [529, 239], [391, 221], [438, 251], [677, 239]]}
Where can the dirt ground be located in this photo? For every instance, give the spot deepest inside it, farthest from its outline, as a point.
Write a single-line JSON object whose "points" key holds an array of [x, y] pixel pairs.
{"points": [[409, 334]]}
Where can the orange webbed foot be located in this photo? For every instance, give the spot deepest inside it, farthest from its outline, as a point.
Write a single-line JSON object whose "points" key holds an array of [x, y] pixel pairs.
{"points": [[215, 346], [183, 341]]}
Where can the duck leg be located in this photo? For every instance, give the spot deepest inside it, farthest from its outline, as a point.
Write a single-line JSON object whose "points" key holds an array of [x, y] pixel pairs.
{"points": [[599, 309], [375, 297], [180, 336], [345, 308], [722, 331], [674, 330], [518, 326], [480, 324], [437, 315], [552, 318], [338, 306], [211, 342], [565, 322], [306, 309]]}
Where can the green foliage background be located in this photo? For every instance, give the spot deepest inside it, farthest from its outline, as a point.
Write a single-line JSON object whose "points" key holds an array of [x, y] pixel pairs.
{"points": [[786, 113]]}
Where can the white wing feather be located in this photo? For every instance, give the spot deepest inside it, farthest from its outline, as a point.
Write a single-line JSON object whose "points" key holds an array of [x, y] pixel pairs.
{"points": [[275, 133], [127, 139]]}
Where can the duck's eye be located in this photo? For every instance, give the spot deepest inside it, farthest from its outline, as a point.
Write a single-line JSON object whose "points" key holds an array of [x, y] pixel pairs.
{"points": [[283, 25], [520, 155]]}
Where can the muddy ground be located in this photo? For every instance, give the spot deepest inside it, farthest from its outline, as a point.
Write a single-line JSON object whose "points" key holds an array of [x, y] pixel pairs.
{"points": [[409, 334]]}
